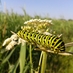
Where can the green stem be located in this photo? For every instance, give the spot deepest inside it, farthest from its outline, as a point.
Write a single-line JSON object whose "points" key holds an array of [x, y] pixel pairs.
{"points": [[43, 66], [40, 61], [30, 53]]}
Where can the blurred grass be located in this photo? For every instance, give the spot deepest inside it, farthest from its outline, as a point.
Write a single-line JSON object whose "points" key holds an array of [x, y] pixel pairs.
{"points": [[55, 64]]}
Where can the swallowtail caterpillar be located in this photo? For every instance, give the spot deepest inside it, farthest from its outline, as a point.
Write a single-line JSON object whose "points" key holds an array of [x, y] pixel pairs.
{"points": [[49, 41]]}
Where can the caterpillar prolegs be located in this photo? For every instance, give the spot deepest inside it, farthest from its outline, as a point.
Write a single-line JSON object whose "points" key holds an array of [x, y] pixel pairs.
{"points": [[50, 41]]}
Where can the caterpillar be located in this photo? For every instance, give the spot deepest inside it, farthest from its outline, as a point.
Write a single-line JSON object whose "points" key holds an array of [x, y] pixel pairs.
{"points": [[49, 41]]}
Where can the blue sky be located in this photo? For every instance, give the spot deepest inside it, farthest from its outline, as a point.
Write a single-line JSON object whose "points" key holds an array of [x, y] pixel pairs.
{"points": [[50, 8]]}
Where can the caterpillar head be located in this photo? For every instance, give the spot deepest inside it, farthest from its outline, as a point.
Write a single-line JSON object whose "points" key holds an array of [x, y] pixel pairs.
{"points": [[58, 45]]}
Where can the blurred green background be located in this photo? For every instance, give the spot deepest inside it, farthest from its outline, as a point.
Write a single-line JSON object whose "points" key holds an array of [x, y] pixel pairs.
{"points": [[55, 63]]}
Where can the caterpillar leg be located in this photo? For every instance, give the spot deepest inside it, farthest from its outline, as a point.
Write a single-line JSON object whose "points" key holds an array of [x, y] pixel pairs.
{"points": [[56, 51], [52, 48]]}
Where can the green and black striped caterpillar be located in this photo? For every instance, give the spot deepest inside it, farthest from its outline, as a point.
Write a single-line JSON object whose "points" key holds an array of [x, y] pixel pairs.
{"points": [[49, 41]]}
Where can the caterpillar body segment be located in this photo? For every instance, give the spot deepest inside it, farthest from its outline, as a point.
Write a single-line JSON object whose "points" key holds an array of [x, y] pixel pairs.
{"points": [[49, 41]]}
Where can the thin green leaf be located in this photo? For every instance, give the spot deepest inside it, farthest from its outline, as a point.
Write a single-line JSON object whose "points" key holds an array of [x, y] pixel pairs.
{"points": [[15, 67], [22, 57], [6, 59]]}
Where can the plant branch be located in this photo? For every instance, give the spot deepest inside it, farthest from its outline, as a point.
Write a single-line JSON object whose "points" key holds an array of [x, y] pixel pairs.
{"points": [[69, 44], [50, 51]]}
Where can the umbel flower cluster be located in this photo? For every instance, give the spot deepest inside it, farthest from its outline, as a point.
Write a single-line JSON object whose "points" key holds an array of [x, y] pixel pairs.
{"points": [[10, 42], [38, 21], [37, 25]]}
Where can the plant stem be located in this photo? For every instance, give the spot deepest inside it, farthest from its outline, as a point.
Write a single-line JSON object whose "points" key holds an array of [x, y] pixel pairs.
{"points": [[43, 66], [40, 61], [30, 53]]}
